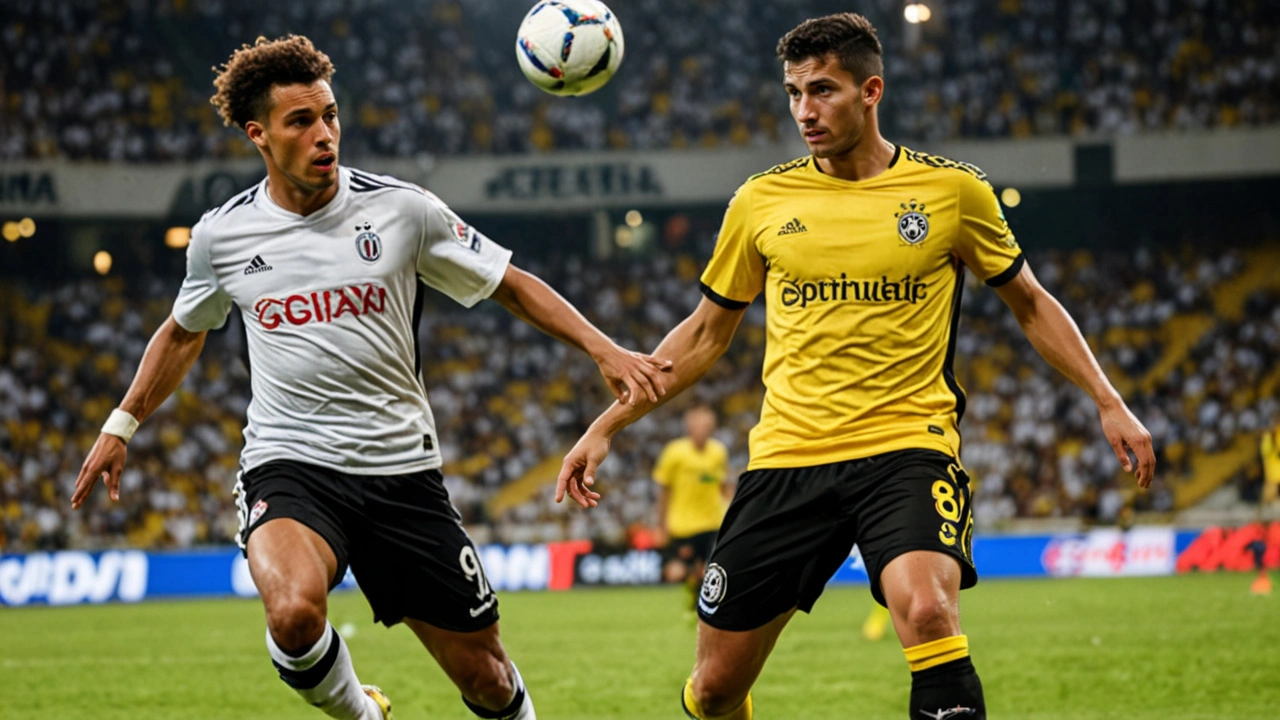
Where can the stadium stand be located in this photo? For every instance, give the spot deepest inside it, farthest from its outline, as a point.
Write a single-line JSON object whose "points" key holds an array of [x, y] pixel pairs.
{"points": [[130, 81], [510, 400]]}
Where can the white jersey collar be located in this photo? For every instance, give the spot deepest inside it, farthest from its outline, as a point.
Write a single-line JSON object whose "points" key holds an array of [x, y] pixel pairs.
{"points": [[266, 203]]}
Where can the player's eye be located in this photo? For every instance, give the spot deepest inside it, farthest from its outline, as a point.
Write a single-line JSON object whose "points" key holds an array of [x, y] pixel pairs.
{"points": [[301, 121], [330, 117]]}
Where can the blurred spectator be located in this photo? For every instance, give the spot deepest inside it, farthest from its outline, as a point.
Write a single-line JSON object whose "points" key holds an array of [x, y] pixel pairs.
{"points": [[130, 81], [508, 398]]}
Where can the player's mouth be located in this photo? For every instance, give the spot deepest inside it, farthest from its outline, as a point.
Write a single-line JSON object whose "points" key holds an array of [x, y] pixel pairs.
{"points": [[815, 135], [325, 162]]}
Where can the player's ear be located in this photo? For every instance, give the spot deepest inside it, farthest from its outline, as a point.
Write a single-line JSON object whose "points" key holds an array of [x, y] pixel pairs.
{"points": [[257, 133], [872, 91]]}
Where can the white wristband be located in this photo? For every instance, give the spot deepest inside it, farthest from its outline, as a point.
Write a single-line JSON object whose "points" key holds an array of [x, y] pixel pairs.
{"points": [[121, 424]]}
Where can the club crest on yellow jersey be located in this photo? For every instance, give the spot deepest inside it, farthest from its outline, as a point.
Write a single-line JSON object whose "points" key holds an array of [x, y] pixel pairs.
{"points": [[913, 222]]}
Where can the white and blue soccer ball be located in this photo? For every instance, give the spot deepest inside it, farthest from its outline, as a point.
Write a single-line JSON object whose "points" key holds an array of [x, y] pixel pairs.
{"points": [[569, 47]]}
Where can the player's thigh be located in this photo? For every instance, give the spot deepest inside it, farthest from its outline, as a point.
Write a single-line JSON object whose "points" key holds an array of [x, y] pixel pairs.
{"points": [[729, 662], [413, 559], [290, 562], [780, 541], [291, 526], [911, 501]]}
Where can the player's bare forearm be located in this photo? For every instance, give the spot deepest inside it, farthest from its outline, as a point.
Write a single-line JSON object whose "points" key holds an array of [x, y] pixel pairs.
{"points": [[695, 345], [1058, 340], [535, 302], [629, 375], [168, 357], [170, 354], [1055, 335]]}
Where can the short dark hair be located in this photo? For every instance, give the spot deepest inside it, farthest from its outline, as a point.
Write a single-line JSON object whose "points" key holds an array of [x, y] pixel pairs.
{"points": [[848, 36], [244, 81]]}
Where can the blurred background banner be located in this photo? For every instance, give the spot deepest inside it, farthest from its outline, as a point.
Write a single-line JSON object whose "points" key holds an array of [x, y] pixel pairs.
{"points": [[73, 577], [556, 183]]}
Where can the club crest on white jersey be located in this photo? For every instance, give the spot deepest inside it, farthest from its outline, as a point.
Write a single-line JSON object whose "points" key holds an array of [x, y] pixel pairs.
{"points": [[368, 244]]}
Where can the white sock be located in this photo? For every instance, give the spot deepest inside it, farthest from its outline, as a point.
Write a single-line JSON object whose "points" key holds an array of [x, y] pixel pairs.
{"points": [[526, 708], [324, 677]]}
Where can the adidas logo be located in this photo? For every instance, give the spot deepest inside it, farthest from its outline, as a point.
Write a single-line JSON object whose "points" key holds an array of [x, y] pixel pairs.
{"points": [[256, 265], [793, 227]]}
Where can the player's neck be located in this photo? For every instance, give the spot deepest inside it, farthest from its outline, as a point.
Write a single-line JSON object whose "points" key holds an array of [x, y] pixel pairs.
{"points": [[289, 196], [870, 157]]}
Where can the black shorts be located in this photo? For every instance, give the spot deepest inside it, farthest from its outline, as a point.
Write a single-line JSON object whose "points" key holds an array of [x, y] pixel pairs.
{"points": [[788, 530], [692, 548], [400, 534]]}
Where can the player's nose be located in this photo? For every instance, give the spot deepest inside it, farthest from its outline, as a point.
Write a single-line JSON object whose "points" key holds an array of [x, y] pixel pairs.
{"points": [[805, 111]]}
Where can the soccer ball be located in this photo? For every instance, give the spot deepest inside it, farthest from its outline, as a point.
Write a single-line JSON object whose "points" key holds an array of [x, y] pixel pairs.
{"points": [[569, 47]]}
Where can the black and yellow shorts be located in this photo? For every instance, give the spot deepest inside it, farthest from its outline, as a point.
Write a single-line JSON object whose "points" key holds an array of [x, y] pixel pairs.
{"points": [[788, 530]]}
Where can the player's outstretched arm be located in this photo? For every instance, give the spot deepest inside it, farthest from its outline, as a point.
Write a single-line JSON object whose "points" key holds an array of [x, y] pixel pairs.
{"points": [[168, 357], [1058, 340], [695, 344], [630, 375]]}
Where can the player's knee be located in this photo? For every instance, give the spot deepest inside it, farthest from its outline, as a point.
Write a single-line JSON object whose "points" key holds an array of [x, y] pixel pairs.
{"points": [[933, 616], [717, 694], [296, 622]]}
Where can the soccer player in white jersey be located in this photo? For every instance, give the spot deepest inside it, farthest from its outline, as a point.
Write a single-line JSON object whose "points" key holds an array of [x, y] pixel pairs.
{"points": [[341, 460]]}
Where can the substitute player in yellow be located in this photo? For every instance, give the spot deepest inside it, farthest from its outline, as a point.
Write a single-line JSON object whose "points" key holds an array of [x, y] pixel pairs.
{"points": [[692, 494], [860, 249], [1269, 448]]}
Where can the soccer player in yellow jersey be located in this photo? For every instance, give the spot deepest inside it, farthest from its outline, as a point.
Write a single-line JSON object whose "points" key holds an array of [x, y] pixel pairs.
{"points": [[691, 474], [1269, 448], [860, 250]]}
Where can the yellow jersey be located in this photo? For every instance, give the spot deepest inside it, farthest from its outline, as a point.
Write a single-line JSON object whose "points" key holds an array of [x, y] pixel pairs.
{"points": [[693, 478], [862, 283], [1270, 450]]}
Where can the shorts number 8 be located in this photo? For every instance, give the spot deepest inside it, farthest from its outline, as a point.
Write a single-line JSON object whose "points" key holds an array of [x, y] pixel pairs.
{"points": [[949, 506]]}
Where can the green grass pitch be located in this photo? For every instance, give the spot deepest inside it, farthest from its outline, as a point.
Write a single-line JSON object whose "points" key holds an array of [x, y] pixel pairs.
{"points": [[1146, 648]]}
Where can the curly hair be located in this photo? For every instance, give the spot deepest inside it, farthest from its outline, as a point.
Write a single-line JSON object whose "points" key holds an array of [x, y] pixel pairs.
{"points": [[244, 81], [849, 36]]}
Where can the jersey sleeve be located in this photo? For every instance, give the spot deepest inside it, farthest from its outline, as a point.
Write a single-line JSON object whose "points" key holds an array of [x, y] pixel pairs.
{"points": [[201, 304], [985, 243], [664, 469], [735, 273], [456, 259]]}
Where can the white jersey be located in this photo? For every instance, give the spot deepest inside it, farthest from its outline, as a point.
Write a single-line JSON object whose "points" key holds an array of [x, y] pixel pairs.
{"points": [[330, 304]]}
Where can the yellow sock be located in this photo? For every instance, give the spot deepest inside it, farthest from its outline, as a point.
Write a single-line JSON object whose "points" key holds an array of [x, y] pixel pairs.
{"points": [[692, 709], [931, 654]]}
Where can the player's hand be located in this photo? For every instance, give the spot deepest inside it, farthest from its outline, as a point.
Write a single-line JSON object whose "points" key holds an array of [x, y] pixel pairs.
{"points": [[578, 473], [105, 459], [1126, 434], [631, 373]]}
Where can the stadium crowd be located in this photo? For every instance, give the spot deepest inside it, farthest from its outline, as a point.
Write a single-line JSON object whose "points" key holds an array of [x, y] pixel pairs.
{"points": [[508, 400], [130, 81]]}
